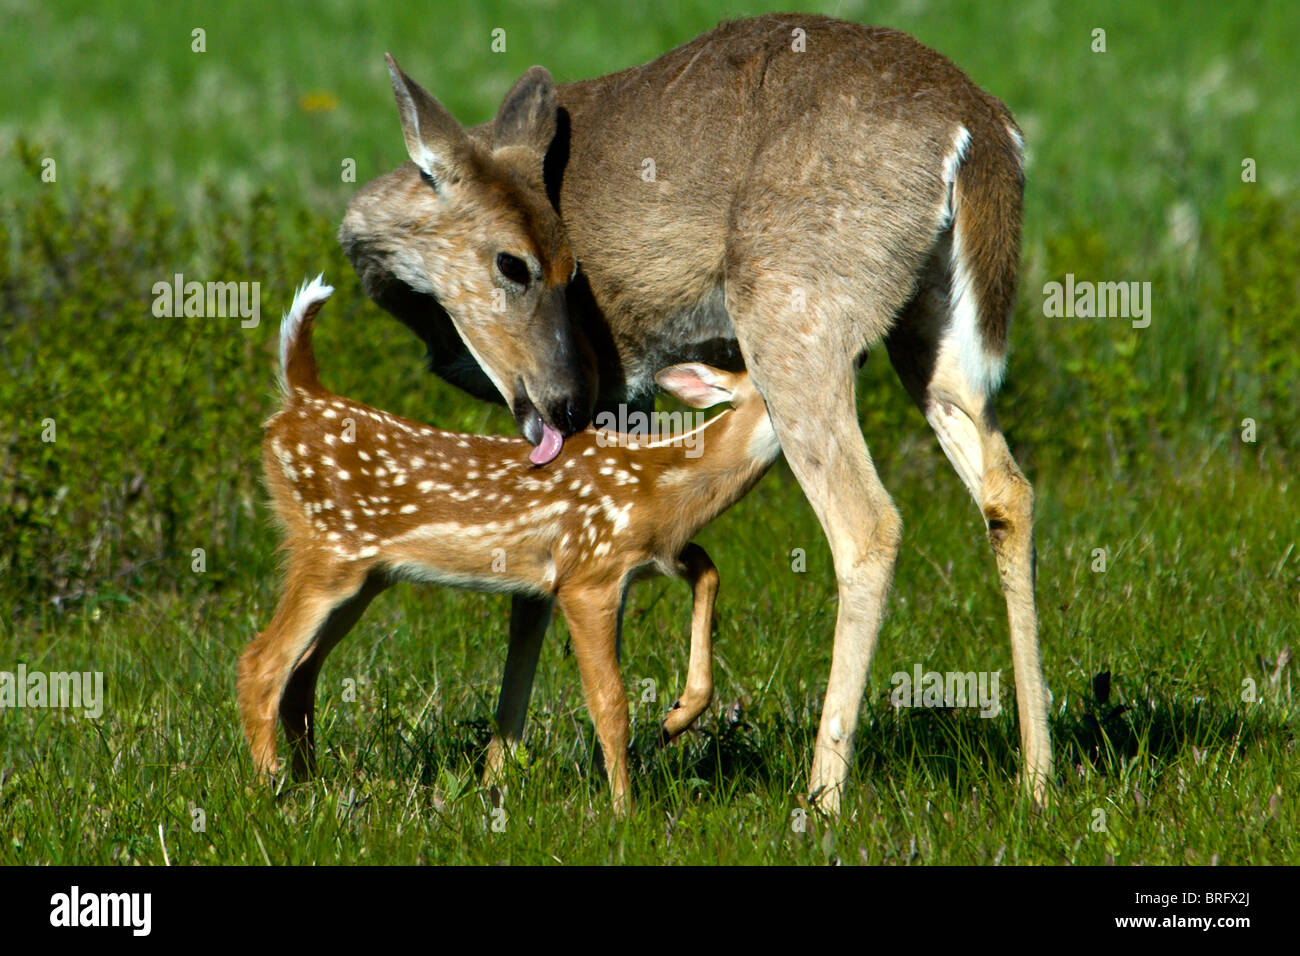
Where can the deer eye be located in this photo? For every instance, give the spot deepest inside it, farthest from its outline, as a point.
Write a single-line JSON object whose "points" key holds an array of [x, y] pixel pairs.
{"points": [[513, 268]]}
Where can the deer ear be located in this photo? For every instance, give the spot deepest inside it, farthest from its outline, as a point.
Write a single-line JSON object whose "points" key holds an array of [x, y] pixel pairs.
{"points": [[527, 114], [434, 140], [699, 386]]}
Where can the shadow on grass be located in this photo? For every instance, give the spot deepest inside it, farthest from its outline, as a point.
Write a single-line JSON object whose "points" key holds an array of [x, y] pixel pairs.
{"points": [[1097, 735], [730, 752]]}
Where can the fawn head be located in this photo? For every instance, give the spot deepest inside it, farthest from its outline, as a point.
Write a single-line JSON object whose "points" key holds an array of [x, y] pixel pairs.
{"points": [[471, 225], [750, 436], [703, 386]]}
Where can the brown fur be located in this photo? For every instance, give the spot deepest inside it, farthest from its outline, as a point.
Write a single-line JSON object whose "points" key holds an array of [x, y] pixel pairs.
{"points": [[805, 206]]}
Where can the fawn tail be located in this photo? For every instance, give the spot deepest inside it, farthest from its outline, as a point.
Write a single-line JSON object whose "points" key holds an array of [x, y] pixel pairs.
{"points": [[297, 361]]}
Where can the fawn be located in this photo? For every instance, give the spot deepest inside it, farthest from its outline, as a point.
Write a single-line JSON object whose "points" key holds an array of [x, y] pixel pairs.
{"points": [[368, 499]]}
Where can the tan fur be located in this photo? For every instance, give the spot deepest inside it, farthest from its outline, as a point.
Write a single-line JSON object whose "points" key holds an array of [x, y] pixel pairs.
{"points": [[367, 498], [805, 206]]}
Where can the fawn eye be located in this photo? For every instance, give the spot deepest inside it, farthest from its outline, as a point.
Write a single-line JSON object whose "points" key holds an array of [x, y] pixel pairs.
{"points": [[513, 268]]}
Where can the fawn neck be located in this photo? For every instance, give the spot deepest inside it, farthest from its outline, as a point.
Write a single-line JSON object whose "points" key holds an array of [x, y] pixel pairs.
{"points": [[702, 473]]}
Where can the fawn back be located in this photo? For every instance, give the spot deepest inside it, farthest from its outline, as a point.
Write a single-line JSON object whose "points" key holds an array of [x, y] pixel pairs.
{"points": [[363, 488]]}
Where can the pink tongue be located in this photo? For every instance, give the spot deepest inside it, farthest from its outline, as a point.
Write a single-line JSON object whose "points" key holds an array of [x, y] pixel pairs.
{"points": [[546, 449]]}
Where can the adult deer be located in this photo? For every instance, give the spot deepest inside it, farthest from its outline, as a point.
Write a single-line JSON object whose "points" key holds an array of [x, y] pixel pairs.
{"points": [[791, 186]]}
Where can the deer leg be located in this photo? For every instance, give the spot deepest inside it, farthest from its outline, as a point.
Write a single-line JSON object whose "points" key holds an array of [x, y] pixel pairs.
{"points": [[807, 375], [926, 352], [529, 619], [967, 431], [298, 703], [1007, 503], [592, 614], [278, 668], [702, 575]]}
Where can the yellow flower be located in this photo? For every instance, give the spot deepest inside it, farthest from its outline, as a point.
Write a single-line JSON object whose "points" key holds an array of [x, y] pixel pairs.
{"points": [[318, 102]]}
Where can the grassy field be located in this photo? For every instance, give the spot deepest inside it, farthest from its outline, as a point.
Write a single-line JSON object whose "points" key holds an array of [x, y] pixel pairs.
{"points": [[226, 164]]}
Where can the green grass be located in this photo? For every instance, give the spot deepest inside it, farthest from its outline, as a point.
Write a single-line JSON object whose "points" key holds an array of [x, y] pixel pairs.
{"points": [[209, 164]]}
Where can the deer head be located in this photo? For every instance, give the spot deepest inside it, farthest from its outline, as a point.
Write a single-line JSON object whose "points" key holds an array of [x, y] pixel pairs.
{"points": [[468, 223]]}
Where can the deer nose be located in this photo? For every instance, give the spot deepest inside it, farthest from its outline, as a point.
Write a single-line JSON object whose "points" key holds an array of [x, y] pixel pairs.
{"points": [[570, 414]]}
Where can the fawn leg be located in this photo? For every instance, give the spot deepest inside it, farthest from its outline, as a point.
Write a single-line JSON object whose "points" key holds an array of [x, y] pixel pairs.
{"points": [[529, 618], [593, 614], [307, 612], [702, 575], [298, 702]]}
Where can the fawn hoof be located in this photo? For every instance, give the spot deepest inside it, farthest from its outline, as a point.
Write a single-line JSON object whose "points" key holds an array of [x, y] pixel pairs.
{"points": [[666, 734]]}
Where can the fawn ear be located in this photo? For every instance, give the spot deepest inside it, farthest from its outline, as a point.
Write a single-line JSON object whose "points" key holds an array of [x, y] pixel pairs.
{"points": [[434, 140], [527, 114], [699, 386]]}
